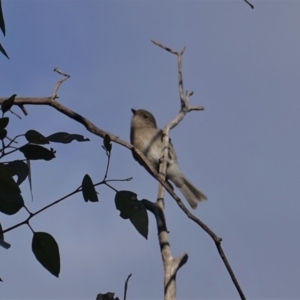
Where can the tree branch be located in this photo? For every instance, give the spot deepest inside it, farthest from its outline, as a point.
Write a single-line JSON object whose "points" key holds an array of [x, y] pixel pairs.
{"points": [[171, 264], [184, 100], [66, 76], [126, 285], [251, 5]]}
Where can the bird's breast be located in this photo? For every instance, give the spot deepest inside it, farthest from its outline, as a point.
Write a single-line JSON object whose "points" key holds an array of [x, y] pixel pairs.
{"points": [[148, 141]]}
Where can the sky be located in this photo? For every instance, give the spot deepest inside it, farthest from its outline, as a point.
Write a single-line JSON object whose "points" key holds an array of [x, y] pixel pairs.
{"points": [[242, 151]]}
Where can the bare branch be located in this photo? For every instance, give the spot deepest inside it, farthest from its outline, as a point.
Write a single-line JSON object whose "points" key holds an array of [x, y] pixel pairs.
{"points": [[229, 269], [54, 94], [184, 99], [171, 265], [15, 114], [197, 108], [126, 284], [164, 47], [251, 5]]}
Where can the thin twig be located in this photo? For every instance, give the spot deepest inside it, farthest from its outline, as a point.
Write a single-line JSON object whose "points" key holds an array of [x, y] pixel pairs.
{"points": [[79, 189], [196, 108], [13, 140], [126, 179], [31, 215], [107, 165], [251, 5], [54, 94], [164, 47], [126, 284], [111, 187], [15, 114]]}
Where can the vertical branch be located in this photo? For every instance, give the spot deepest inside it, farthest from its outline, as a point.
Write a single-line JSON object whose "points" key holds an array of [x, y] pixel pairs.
{"points": [[185, 108], [126, 286], [180, 79], [171, 264]]}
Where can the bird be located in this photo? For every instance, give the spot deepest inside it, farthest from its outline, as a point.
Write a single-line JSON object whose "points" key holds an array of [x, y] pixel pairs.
{"points": [[147, 138]]}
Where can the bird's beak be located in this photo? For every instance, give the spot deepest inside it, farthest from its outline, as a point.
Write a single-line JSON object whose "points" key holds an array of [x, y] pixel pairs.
{"points": [[133, 111]]}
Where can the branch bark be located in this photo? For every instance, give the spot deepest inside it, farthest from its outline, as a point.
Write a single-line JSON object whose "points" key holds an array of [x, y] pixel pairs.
{"points": [[171, 264], [185, 108]]}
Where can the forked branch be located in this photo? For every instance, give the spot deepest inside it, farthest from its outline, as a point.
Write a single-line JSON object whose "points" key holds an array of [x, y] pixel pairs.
{"points": [[184, 100]]}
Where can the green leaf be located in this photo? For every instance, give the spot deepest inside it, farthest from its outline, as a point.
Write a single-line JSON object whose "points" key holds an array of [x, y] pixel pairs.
{"points": [[32, 136], [2, 23], [3, 134], [3, 51], [139, 219], [46, 251], [7, 183], [3, 122], [18, 168], [2, 242], [10, 203], [88, 189], [107, 143], [8, 103], [124, 201], [65, 138], [37, 152]]}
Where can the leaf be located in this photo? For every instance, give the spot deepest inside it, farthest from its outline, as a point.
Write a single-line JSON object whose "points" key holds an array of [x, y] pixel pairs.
{"points": [[2, 23], [18, 168], [139, 219], [32, 136], [10, 203], [37, 152], [65, 138], [3, 134], [124, 201], [46, 251], [29, 177], [8, 103], [3, 122], [7, 183], [3, 51], [134, 210], [3, 244], [107, 296], [107, 143], [88, 189]]}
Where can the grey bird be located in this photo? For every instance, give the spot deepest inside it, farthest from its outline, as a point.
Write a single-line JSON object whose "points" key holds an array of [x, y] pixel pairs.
{"points": [[147, 138]]}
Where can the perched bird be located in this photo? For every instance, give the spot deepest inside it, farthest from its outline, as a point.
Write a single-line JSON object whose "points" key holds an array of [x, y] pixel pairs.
{"points": [[147, 138]]}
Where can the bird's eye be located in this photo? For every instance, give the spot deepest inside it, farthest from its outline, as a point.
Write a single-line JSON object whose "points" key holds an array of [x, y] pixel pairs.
{"points": [[145, 116]]}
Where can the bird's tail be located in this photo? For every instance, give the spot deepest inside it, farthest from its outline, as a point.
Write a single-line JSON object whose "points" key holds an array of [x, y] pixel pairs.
{"points": [[191, 193]]}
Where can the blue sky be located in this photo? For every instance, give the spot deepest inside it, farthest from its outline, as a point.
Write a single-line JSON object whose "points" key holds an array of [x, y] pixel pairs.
{"points": [[242, 151]]}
